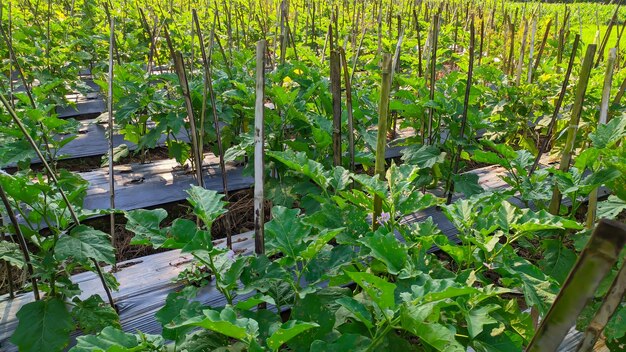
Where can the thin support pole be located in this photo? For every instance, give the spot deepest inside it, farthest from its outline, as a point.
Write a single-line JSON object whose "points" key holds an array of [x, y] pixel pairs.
{"points": [[259, 152]]}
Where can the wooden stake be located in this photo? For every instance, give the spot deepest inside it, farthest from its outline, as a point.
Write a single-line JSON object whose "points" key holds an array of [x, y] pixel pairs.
{"points": [[111, 132], [557, 107], [468, 87], [603, 119], [348, 83], [541, 48], [566, 157], [593, 264], [383, 112], [259, 153]]}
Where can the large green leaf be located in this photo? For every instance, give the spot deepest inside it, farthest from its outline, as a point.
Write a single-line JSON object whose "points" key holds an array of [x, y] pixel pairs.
{"points": [[11, 253], [424, 156], [85, 243], [225, 322], [385, 247], [93, 314], [145, 224], [379, 290], [478, 317], [415, 320], [111, 339], [44, 325], [557, 260], [288, 331], [179, 306], [322, 240], [207, 204], [606, 135], [611, 207], [286, 232], [357, 309], [303, 165]]}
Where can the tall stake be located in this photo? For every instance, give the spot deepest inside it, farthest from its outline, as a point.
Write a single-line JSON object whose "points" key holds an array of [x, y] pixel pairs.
{"points": [[259, 152], [593, 264], [335, 89], [533, 33], [603, 119], [433, 67], [111, 121], [557, 107], [383, 112], [346, 77], [566, 157], [520, 64], [21, 240], [55, 181], [468, 86]]}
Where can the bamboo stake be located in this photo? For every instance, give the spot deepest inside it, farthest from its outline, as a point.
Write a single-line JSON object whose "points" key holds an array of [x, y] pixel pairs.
{"points": [[566, 157], [348, 83], [259, 152], [55, 181], [607, 34], [557, 107], [383, 112], [335, 89], [611, 302], [111, 131], [533, 33], [603, 119], [520, 64], [21, 240], [468, 87], [433, 66], [541, 48], [594, 262]]}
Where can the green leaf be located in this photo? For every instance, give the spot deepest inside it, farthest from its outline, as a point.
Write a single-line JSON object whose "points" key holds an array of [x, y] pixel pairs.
{"points": [[372, 184], [557, 260], [11, 252], [385, 247], [358, 310], [467, 184], [119, 152], [111, 339], [225, 322], [286, 232], [316, 246], [302, 165], [424, 156], [438, 336], [478, 317], [207, 204], [502, 342], [606, 135], [179, 306], [85, 243], [44, 325], [379, 290], [145, 225], [93, 314], [611, 207], [288, 331]]}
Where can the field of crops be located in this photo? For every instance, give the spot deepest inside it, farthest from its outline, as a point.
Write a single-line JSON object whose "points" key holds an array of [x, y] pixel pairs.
{"points": [[299, 175]]}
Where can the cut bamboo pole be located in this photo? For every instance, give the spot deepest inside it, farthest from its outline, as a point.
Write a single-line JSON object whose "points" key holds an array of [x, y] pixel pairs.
{"points": [[383, 112], [55, 181], [541, 48], [468, 87], [21, 240], [335, 89], [607, 34], [612, 301], [520, 63], [259, 152], [348, 83], [111, 132], [179, 66], [557, 107], [602, 120], [594, 262], [433, 67], [566, 157], [533, 33]]}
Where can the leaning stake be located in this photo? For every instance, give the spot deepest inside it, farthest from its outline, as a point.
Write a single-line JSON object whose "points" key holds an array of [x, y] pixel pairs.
{"points": [[110, 110], [593, 264], [383, 109], [577, 109], [259, 153]]}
